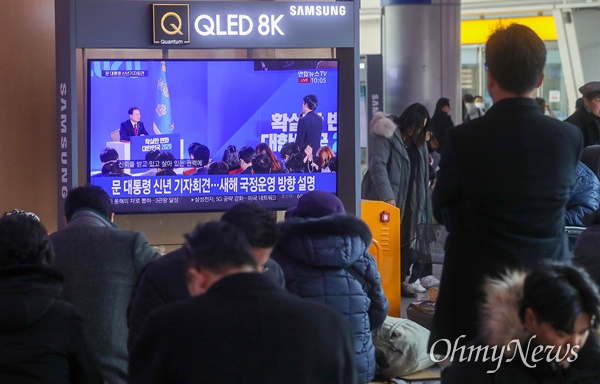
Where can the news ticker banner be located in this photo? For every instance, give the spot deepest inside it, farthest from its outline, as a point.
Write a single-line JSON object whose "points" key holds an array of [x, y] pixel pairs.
{"points": [[217, 24], [279, 191]]}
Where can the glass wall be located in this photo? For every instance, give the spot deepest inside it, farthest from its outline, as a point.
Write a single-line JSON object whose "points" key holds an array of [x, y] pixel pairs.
{"points": [[552, 89]]}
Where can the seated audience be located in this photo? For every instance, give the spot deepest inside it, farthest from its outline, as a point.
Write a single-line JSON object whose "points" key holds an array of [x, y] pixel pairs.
{"points": [[324, 256], [325, 153], [264, 148], [101, 264], [109, 154], [584, 198], [262, 164], [164, 159], [240, 327], [543, 325], [246, 156], [150, 157], [295, 163], [232, 158], [201, 155], [288, 150], [587, 250], [112, 169], [163, 280], [191, 148], [333, 164], [218, 168], [312, 163], [41, 335]]}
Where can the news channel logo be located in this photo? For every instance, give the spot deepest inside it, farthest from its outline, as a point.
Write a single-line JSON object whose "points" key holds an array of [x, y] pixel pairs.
{"points": [[171, 24]]}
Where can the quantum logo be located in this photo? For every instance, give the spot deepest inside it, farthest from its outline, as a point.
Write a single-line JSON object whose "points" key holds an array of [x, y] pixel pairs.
{"points": [[171, 24]]}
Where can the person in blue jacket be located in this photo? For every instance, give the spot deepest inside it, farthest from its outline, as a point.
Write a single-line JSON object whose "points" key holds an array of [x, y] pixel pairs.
{"points": [[585, 196], [324, 256]]}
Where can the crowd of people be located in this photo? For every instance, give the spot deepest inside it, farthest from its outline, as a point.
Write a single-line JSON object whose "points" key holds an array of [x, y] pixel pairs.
{"points": [[249, 300], [244, 300], [245, 160]]}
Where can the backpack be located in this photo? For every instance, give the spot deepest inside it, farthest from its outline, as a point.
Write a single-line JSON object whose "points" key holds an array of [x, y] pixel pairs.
{"points": [[401, 347]]}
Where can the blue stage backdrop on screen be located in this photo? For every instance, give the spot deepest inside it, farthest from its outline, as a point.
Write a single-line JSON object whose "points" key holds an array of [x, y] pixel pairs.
{"points": [[213, 102]]}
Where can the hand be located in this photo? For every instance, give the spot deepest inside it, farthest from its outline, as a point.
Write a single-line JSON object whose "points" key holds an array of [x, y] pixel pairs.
{"points": [[391, 202]]}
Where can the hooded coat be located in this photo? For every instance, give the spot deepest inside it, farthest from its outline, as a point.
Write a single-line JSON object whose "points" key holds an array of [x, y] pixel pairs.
{"points": [[326, 260], [500, 326], [41, 336], [389, 169]]}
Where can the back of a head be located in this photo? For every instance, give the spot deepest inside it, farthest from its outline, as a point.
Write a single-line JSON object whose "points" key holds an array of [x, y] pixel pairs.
{"points": [[316, 204], [261, 164], [246, 154], [88, 197], [151, 155], [258, 223], [218, 168], [218, 246], [191, 148], [112, 169], [558, 293], [468, 98], [24, 241], [295, 163], [231, 157], [202, 153], [441, 103], [311, 102], [109, 154], [515, 57], [325, 153], [164, 159], [288, 149]]}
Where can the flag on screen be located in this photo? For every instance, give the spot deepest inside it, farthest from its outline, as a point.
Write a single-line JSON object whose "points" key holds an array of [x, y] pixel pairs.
{"points": [[163, 123]]}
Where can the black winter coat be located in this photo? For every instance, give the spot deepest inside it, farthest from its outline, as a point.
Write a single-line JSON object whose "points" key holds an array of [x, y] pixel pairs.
{"points": [[41, 336]]}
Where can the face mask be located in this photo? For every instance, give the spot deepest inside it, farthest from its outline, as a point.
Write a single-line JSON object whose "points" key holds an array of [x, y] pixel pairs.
{"points": [[479, 105]]}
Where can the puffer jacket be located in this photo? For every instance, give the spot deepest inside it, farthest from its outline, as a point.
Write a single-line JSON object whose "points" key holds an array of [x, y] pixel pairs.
{"points": [[585, 196], [389, 169], [501, 327], [325, 260]]}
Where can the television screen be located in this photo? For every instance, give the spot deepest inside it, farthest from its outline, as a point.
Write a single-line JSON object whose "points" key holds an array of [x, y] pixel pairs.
{"points": [[203, 135]]}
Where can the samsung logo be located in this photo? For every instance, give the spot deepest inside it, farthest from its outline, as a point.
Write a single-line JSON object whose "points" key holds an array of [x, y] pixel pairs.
{"points": [[317, 10]]}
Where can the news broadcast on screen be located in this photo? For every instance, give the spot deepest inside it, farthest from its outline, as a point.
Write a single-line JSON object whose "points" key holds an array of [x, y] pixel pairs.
{"points": [[164, 135]]}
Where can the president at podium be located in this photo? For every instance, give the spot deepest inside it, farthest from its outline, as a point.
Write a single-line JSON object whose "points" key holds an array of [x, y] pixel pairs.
{"points": [[133, 126]]}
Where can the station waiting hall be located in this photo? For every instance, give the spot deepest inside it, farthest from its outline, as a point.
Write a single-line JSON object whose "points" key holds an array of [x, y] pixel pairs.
{"points": [[375, 191]]}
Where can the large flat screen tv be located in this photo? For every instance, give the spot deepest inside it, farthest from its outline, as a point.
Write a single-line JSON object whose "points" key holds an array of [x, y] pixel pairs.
{"points": [[223, 105]]}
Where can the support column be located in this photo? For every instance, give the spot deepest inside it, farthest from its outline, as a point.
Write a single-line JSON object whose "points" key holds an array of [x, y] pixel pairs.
{"points": [[421, 53]]}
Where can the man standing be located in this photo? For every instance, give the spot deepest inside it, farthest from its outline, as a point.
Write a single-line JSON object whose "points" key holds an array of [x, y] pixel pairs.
{"points": [[101, 265], [310, 125], [240, 326], [503, 184], [133, 126], [588, 117]]}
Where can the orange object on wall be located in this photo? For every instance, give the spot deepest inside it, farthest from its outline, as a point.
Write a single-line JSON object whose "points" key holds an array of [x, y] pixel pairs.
{"points": [[384, 221]]}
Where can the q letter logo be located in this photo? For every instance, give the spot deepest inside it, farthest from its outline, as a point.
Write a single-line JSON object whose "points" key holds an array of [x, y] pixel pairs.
{"points": [[171, 24]]}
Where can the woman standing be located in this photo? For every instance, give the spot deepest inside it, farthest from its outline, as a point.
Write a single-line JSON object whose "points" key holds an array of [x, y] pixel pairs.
{"points": [[399, 175]]}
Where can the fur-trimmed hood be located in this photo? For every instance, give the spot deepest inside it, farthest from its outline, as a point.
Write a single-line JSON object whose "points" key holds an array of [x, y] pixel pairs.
{"points": [[500, 322], [330, 241], [382, 125]]}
